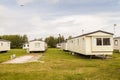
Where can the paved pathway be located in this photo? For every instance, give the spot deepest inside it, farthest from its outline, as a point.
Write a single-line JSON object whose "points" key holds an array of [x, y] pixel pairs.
{"points": [[25, 59]]}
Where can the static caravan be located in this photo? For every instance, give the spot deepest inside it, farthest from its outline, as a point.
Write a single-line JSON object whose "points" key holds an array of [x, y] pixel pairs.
{"points": [[64, 46], [37, 45], [94, 43], [25, 46], [117, 43], [4, 45], [58, 45]]}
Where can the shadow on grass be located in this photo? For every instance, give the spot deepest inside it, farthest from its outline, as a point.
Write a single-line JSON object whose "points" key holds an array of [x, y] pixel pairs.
{"points": [[2, 52], [78, 55]]}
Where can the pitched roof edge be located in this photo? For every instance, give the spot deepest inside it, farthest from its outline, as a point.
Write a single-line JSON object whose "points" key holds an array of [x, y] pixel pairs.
{"points": [[116, 37], [4, 40], [92, 33], [35, 40]]}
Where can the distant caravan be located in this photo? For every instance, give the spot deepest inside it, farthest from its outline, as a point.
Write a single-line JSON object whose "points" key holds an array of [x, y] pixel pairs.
{"points": [[37, 46], [58, 45], [4, 45], [116, 44], [64, 46], [94, 43], [25, 46]]}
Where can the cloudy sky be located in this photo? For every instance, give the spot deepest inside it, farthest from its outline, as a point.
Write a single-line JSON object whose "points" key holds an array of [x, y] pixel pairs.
{"points": [[42, 18]]}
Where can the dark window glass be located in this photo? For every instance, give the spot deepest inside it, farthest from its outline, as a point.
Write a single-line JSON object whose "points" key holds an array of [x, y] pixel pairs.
{"points": [[106, 41], [99, 41]]}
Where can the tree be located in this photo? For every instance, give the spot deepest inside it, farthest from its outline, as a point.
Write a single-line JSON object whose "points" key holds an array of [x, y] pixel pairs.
{"points": [[70, 37], [16, 40], [60, 39], [51, 41], [25, 39]]}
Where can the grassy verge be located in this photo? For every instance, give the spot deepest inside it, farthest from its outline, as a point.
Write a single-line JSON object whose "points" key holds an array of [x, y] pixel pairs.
{"points": [[6, 56], [61, 65]]}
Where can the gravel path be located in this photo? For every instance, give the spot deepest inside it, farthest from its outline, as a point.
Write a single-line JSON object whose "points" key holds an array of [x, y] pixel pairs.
{"points": [[25, 59]]}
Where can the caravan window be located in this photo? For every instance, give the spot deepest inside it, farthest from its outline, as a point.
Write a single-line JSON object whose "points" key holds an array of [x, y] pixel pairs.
{"points": [[1, 44], [106, 41], [99, 41], [24, 45], [116, 42], [102, 41]]}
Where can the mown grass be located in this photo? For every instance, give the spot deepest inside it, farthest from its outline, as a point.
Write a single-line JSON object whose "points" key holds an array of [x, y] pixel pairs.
{"points": [[61, 65], [6, 55]]}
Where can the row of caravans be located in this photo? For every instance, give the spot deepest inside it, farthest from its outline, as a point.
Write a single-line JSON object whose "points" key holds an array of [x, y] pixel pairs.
{"points": [[94, 43], [32, 46], [35, 46]]}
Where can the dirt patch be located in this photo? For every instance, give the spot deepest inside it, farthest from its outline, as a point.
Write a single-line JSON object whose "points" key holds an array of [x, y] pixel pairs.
{"points": [[25, 59]]}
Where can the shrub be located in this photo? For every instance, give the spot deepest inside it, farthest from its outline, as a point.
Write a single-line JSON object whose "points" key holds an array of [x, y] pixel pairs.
{"points": [[116, 51]]}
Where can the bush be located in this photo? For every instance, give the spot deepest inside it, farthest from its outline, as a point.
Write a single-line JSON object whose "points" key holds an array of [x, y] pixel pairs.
{"points": [[116, 51]]}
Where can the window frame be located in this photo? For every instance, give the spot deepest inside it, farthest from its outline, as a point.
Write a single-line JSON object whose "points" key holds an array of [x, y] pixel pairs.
{"points": [[115, 42], [102, 41], [99, 44], [107, 43]]}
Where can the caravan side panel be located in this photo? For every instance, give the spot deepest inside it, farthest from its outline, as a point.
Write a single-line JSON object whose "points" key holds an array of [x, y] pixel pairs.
{"points": [[4, 46], [64, 46], [37, 46], [77, 45]]}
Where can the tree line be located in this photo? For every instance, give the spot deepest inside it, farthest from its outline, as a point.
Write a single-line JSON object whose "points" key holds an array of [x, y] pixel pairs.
{"points": [[17, 41], [52, 41]]}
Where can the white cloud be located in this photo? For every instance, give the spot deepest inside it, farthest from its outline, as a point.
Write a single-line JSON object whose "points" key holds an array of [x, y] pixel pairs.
{"points": [[80, 21], [3, 9], [86, 1], [118, 2], [23, 2], [53, 1], [36, 20], [73, 24], [13, 22]]}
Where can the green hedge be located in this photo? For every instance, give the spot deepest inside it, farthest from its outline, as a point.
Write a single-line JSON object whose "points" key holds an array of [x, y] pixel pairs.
{"points": [[116, 51]]}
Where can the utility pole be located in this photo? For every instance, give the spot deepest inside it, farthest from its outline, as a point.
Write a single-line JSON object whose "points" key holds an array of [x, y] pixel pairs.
{"points": [[114, 29], [59, 38], [82, 31]]}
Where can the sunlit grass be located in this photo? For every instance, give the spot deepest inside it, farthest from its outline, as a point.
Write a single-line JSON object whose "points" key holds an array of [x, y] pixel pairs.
{"points": [[60, 65], [6, 55]]}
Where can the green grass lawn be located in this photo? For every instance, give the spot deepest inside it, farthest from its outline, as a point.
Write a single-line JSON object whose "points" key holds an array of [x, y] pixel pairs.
{"points": [[61, 65], [6, 56]]}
